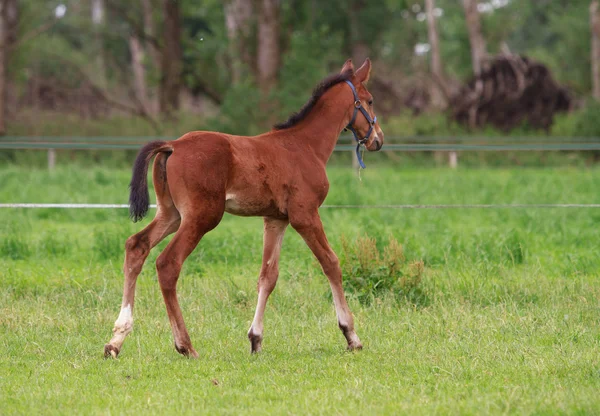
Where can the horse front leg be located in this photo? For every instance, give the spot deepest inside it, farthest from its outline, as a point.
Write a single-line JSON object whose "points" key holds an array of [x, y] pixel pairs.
{"points": [[310, 228], [274, 231]]}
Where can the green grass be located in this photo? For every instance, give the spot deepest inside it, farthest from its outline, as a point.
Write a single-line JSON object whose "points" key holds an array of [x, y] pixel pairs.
{"points": [[510, 324]]}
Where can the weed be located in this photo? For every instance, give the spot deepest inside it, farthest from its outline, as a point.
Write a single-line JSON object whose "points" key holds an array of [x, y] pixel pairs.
{"points": [[370, 274]]}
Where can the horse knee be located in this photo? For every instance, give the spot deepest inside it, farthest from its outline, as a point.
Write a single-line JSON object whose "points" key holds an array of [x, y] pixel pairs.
{"points": [[138, 244], [268, 281], [137, 249], [331, 266], [168, 271]]}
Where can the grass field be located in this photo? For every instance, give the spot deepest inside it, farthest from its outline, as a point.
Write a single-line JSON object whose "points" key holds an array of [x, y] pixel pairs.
{"points": [[508, 320]]}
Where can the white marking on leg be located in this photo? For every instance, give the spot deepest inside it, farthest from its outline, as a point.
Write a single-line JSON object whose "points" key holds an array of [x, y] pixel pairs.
{"points": [[344, 317], [342, 314], [257, 323], [123, 326], [125, 319]]}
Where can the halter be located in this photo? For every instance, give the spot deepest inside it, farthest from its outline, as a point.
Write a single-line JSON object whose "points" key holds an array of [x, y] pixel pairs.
{"points": [[360, 142]]}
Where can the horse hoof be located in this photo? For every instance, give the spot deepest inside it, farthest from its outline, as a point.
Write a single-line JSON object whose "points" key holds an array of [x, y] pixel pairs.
{"points": [[355, 347], [188, 352], [255, 343], [110, 351]]}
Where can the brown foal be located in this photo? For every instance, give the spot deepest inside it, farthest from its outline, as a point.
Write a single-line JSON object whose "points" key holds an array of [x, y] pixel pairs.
{"points": [[279, 175]]}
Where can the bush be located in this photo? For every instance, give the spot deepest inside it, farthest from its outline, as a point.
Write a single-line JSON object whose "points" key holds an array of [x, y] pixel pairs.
{"points": [[581, 123], [370, 274]]}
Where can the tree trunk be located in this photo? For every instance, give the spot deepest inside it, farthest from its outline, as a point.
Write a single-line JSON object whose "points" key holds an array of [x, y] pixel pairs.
{"points": [[360, 49], [478, 51], [149, 30], [238, 20], [98, 12], [268, 44], [595, 29], [3, 50], [437, 73], [139, 72], [170, 81]]}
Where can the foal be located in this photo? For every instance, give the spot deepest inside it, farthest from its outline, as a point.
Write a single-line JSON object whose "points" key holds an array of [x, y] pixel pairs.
{"points": [[279, 175]]}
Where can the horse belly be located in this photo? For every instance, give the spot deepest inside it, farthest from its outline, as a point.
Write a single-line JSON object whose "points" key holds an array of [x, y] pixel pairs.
{"points": [[248, 206]]}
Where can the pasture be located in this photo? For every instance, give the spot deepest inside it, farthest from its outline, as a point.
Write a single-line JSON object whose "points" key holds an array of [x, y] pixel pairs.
{"points": [[507, 319]]}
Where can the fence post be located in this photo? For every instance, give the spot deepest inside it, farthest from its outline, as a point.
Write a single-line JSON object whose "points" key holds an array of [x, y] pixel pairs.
{"points": [[355, 164], [453, 159], [51, 159]]}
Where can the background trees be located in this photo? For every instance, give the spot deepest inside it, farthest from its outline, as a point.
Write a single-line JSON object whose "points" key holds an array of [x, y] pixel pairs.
{"points": [[241, 64]]}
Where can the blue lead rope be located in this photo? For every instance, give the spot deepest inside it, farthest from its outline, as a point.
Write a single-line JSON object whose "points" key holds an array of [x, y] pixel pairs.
{"points": [[360, 142], [359, 157]]}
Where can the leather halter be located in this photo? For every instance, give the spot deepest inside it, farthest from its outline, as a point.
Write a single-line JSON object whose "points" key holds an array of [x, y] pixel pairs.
{"points": [[358, 106]]}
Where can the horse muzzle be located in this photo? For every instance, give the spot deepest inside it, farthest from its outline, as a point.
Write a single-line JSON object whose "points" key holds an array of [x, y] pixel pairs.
{"points": [[377, 142]]}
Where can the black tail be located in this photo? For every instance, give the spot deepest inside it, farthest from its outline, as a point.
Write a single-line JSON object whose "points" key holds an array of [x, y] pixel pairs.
{"points": [[139, 198]]}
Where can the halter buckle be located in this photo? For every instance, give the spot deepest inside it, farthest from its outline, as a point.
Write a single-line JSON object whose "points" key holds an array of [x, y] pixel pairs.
{"points": [[357, 104]]}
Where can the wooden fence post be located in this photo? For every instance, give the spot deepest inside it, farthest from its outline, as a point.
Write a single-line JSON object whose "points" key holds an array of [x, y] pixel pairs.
{"points": [[355, 164], [453, 159], [51, 159]]}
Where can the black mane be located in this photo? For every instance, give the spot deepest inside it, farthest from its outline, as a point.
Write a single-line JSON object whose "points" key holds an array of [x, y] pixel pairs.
{"points": [[318, 92]]}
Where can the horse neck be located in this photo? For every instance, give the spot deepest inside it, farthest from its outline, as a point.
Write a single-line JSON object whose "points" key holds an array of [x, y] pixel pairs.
{"points": [[322, 127]]}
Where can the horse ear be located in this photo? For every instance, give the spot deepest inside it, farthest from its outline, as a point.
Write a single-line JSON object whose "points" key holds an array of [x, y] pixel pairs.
{"points": [[348, 66], [364, 72]]}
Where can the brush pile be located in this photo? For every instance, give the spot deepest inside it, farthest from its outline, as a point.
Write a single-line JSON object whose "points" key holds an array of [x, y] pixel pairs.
{"points": [[511, 90]]}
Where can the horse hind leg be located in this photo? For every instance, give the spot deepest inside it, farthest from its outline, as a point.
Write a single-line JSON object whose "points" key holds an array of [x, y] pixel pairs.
{"points": [[170, 261], [137, 248]]}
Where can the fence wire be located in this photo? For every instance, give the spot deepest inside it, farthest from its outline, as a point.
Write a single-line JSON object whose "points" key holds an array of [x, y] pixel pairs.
{"points": [[377, 206]]}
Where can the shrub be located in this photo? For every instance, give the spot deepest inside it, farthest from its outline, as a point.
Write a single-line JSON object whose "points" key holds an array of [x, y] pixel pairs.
{"points": [[370, 274], [581, 123]]}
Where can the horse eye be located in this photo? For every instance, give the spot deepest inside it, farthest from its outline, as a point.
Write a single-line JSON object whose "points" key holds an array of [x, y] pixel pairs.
{"points": [[370, 102]]}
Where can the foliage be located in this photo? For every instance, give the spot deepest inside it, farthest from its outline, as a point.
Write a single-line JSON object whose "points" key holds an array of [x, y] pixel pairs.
{"points": [[581, 123], [318, 39], [370, 274], [246, 111]]}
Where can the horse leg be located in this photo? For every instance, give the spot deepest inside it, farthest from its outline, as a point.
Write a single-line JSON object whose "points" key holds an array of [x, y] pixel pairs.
{"points": [[269, 272], [311, 230], [168, 266], [137, 248]]}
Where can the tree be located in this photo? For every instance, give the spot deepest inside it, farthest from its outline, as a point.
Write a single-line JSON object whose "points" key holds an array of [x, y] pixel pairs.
{"points": [[478, 49], [595, 29], [3, 50], [171, 56], [139, 72], [9, 16], [149, 33], [269, 52], [437, 73], [98, 18], [360, 46], [238, 21]]}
